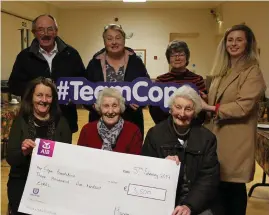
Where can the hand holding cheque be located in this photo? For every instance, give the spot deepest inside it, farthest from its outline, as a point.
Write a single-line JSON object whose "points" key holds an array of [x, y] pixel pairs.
{"points": [[69, 179]]}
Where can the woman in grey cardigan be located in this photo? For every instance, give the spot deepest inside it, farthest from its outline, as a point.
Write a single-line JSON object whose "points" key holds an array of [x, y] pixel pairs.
{"points": [[39, 117]]}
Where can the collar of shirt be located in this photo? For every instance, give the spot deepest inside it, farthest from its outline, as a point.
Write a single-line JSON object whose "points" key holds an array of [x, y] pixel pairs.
{"points": [[53, 51]]}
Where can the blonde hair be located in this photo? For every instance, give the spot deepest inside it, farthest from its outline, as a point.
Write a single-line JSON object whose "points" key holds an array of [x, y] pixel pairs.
{"points": [[222, 59]]}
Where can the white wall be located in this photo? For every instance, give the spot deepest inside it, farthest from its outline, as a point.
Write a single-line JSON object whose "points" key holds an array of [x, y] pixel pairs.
{"points": [[151, 27], [256, 16]]}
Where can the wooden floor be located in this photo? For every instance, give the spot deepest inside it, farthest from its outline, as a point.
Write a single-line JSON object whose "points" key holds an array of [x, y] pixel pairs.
{"points": [[258, 204]]}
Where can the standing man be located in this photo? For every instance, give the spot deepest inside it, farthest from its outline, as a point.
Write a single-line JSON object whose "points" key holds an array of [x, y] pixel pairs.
{"points": [[48, 56]]}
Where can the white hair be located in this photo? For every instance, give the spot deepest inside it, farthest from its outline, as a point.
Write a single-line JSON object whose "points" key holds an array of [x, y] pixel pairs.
{"points": [[187, 92], [110, 92]]}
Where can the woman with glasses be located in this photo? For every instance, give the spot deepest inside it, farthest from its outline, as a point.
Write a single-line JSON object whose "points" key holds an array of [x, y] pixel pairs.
{"points": [[39, 117], [178, 55], [117, 63]]}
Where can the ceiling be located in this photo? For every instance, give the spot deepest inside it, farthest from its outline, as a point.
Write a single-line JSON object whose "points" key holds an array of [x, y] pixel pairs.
{"points": [[119, 4]]}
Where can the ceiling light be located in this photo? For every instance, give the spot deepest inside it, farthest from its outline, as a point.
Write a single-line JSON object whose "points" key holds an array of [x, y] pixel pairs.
{"points": [[134, 0]]}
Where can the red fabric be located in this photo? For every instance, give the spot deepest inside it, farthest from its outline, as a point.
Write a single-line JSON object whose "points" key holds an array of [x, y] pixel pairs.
{"points": [[217, 108], [129, 140]]}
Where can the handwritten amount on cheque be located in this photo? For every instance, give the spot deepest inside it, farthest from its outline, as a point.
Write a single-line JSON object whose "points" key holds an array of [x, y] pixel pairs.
{"points": [[45, 173]]}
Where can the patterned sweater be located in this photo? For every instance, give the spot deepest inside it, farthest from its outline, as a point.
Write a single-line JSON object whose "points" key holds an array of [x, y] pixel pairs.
{"points": [[186, 77]]}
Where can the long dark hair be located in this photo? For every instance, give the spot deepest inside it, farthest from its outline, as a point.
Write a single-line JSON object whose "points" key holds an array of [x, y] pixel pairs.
{"points": [[27, 101]]}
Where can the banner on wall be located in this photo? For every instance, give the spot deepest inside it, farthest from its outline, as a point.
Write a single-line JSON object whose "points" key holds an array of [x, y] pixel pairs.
{"points": [[141, 91]]}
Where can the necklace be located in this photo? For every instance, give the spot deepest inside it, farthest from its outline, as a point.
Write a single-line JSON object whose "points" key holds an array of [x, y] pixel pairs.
{"points": [[180, 133]]}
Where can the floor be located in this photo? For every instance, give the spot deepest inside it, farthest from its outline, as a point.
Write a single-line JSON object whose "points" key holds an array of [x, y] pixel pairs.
{"points": [[258, 204]]}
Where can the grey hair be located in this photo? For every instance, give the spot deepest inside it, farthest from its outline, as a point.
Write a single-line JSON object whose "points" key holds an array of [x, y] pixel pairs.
{"points": [[110, 92], [187, 92], [48, 15]]}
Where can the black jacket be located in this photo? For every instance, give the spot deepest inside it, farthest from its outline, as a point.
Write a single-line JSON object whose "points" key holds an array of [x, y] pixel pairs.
{"points": [[199, 157], [135, 68], [19, 132], [31, 64]]}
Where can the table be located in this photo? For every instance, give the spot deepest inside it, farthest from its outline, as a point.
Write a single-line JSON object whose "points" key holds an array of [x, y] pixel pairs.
{"points": [[262, 156], [8, 113]]}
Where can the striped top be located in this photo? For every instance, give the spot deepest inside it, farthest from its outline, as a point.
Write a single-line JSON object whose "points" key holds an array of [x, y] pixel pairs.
{"points": [[157, 114], [183, 78]]}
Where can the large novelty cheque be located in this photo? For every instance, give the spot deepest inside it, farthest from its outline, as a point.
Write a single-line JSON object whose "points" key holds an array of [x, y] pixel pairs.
{"points": [[68, 179], [141, 91]]}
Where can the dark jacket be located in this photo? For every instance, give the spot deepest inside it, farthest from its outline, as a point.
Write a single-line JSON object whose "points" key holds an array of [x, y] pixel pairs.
{"points": [[31, 64], [18, 133], [199, 158], [19, 163], [134, 68]]}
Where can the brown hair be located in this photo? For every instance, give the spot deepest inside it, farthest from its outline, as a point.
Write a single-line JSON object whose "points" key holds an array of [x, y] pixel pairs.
{"points": [[27, 101]]}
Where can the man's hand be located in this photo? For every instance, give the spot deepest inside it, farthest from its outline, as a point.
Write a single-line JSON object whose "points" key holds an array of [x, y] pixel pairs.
{"points": [[27, 146], [173, 158], [182, 210]]}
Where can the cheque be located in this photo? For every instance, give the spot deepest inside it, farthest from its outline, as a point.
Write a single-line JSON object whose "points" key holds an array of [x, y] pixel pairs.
{"points": [[73, 180]]}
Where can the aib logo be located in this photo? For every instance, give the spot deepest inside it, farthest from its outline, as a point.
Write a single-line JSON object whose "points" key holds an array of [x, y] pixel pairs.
{"points": [[46, 147]]}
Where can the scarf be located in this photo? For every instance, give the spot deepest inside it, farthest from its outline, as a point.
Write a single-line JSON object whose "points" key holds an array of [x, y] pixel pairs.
{"points": [[33, 122], [109, 136]]}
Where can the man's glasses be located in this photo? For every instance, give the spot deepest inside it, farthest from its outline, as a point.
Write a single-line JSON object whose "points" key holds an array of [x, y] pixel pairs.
{"points": [[48, 31]]}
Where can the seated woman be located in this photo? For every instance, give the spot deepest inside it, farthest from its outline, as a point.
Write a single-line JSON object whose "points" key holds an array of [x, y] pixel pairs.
{"points": [[39, 117], [178, 56], [181, 140], [111, 132]]}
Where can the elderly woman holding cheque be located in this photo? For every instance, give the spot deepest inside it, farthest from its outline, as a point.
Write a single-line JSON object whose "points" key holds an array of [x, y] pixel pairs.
{"points": [[179, 139], [111, 132]]}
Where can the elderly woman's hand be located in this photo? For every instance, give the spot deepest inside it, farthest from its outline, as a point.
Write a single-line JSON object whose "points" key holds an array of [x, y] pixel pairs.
{"points": [[27, 146], [182, 210], [173, 158], [134, 106]]}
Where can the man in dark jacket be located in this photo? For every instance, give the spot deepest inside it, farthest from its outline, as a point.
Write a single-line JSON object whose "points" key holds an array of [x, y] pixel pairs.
{"points": [[50, 57]]}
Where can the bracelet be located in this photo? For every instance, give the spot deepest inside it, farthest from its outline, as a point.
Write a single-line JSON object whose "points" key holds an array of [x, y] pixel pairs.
{"points": [[217, 108]]}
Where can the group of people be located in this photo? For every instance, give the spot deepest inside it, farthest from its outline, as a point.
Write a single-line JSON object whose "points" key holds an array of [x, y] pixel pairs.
{"points": [[201, 130]]}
